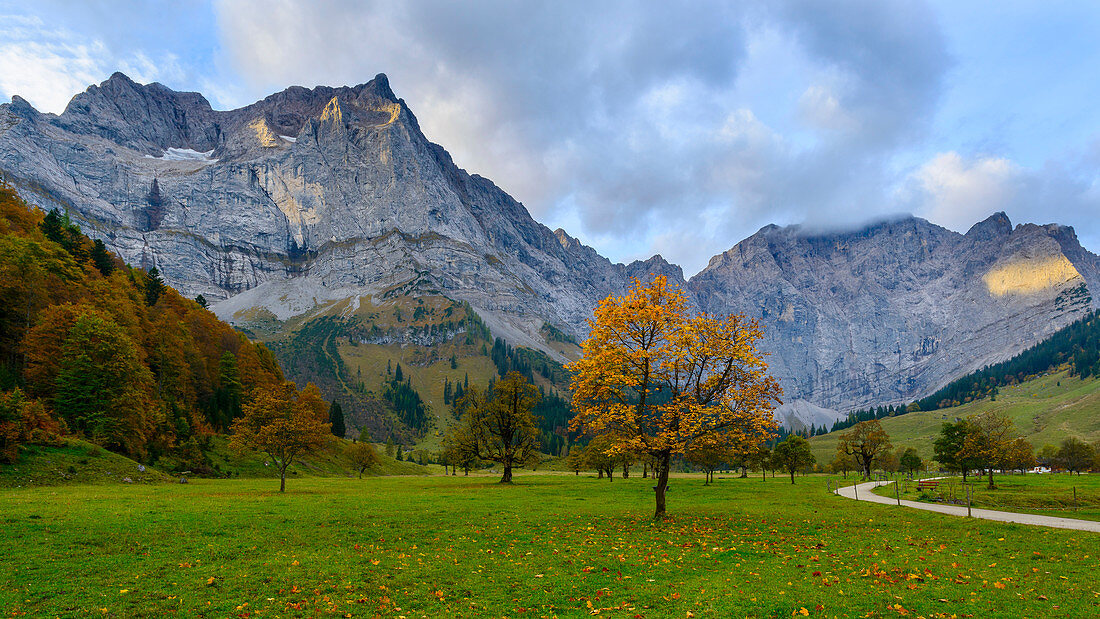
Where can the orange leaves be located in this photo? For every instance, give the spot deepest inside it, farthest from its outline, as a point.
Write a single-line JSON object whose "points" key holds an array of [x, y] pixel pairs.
{"points": [[657, 379]]}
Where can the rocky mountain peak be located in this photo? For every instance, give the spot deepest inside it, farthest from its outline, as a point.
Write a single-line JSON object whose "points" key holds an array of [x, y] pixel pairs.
{"points": [[995, 226], [327, 194]]}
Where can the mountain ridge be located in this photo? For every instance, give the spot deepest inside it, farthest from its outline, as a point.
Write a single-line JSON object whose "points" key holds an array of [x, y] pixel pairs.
{"points": [[322, 194]]}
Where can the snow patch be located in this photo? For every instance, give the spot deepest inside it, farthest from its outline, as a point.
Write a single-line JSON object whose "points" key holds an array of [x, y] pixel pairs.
{"points": [[289, 138], [185, 154]]}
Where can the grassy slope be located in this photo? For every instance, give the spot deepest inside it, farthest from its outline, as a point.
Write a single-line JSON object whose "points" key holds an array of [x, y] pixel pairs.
{"points": [[329, 462], [550, 546], [370, 360], [72, 461], [77, 462], [1045, 410]]}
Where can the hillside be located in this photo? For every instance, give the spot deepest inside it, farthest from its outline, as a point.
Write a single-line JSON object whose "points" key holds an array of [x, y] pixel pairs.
{"points": [[1045, 410]]}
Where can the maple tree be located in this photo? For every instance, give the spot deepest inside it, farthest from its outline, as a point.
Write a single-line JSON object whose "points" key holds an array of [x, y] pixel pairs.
{"points": [[910, 460], [793, 454], [865, 443], [284, 423], [657, 379], [363, 456], [987, 442], [499, 427]]}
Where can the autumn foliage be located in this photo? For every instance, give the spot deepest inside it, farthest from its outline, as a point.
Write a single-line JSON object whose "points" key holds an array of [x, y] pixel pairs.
{"points": [[79, 337], [283, 423], [659, 380]]}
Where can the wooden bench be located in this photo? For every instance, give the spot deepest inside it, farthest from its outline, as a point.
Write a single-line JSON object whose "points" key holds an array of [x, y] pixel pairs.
{"points": [[926, 484]]}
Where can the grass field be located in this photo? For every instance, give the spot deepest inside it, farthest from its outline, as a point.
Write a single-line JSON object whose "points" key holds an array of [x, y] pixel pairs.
{"points": [[1045, 410], [551, 545], [1049, 495]]}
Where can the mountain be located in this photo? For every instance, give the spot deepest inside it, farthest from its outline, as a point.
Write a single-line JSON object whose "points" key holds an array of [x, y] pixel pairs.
{"points": [[888, 313], [331, 202]]}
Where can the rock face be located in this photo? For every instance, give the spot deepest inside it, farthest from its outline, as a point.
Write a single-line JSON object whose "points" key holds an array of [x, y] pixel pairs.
{"points": [[313, 195], [893, 311]]}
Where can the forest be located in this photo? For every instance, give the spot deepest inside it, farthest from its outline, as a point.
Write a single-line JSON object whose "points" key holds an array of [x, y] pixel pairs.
{"points": [[94, 348]]}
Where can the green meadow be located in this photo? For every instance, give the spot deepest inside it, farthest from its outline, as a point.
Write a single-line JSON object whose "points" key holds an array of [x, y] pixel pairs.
{"points": [[551, 545], [1045, 410], [1062, 495]]}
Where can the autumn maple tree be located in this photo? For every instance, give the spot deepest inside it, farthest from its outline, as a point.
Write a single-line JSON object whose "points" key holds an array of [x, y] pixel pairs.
{"points": [[284, 423], [866, 442], [658, 379], [363, 456]]}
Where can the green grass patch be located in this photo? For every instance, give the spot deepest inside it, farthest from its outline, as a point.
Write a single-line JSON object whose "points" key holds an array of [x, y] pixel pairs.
{"points": [[1048, 495], [1045, 410], [73, 461], [551, 545]]}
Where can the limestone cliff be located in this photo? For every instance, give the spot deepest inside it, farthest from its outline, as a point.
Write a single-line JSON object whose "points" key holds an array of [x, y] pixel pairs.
{"points": [[324, 194]]}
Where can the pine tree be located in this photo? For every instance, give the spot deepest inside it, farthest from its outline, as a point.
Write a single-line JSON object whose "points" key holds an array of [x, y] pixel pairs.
{"points": [[154, 287], [336, 418], [201, 300], [397, 376], [389, 447], [101, 258]]}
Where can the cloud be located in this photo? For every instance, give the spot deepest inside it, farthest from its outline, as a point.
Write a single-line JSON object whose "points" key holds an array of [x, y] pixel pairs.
{"points": [[47, 64], [639, 122], [957, 191]]}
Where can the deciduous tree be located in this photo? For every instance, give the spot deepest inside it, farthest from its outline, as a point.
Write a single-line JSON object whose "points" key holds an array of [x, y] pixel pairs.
{"points": [[500, 427], [657, 379], [910, 461], [363, 456], [283, 423], [793, 454], [987, 441], [865, 442], [948, 448], [1075, 455]]}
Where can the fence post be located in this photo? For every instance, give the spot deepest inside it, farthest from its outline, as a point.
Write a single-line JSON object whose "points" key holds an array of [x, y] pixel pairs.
{"points": [[968, 501], [855, 488], [897, 492]]}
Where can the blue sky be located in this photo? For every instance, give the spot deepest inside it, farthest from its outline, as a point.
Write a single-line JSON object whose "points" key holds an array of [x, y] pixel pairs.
{"points": [[641, 127]]}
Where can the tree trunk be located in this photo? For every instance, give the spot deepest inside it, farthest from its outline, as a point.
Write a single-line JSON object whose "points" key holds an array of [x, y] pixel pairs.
{"points": [[282, 478], [507, 477], [611, 473], [645, 470], [991, 486], [626, 470], [361, 472], [600, 471], [792, 476], [744, 472], [662, 484]]}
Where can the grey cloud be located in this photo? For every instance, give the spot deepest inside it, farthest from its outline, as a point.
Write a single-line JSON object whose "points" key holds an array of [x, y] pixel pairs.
{"points": [[617, 109]]}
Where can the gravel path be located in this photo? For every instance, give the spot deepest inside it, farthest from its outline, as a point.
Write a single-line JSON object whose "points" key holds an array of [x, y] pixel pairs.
{"points": [[865, 494]]}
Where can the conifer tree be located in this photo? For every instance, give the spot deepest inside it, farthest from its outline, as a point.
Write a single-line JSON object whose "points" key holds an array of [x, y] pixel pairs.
{"points": [[154, 287], [336, 419], [101, 258]]}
